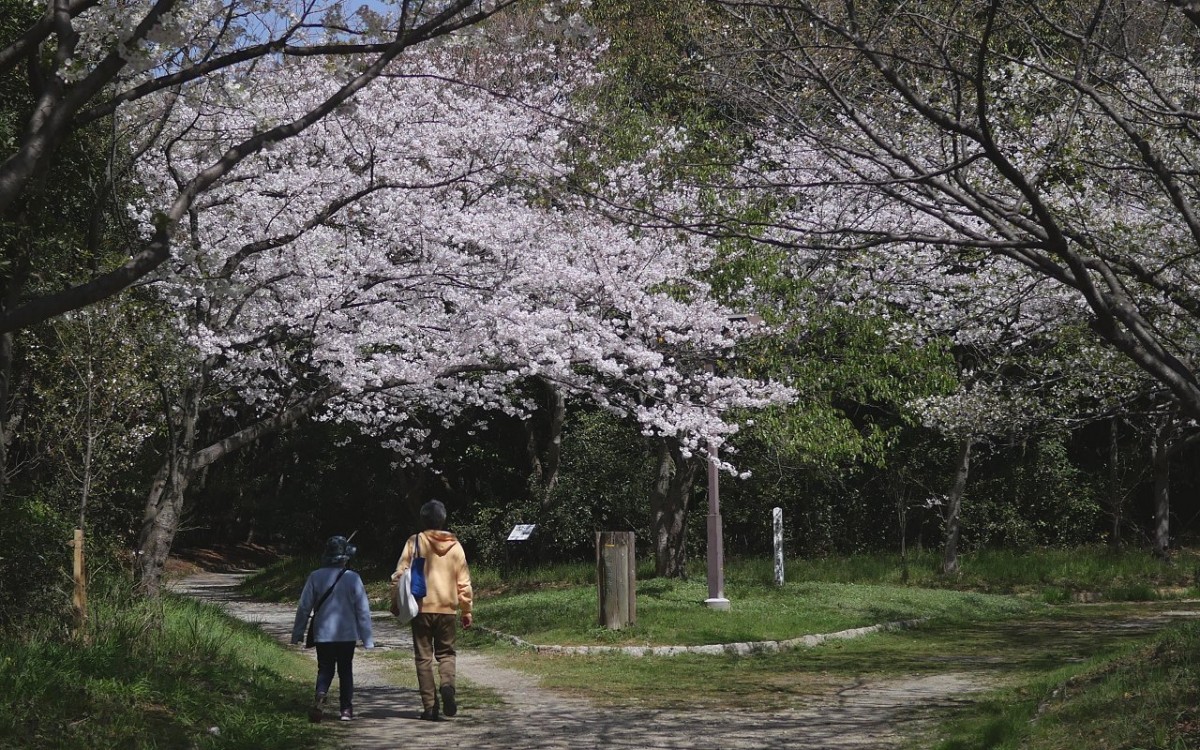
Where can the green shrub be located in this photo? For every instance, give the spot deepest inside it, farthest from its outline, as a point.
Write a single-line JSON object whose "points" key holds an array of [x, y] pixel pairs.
{"points": [[35, 561]]}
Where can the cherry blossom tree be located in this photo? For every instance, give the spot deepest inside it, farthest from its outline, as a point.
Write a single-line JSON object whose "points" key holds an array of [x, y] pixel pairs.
{"points": [[415, 254], [997, 147], [1059, 141], [69, 70], [88, 59]]}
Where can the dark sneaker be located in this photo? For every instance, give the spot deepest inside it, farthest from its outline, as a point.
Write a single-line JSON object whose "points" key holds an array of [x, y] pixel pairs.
{"points": [[431, 714], [346, 715], [449, 704], [317, 711]]}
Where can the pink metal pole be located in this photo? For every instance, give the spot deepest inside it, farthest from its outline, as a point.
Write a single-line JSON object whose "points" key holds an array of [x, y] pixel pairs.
{"points": [[716, 545]]}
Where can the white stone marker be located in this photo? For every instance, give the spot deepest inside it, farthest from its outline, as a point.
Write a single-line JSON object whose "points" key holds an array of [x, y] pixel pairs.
{"points": [[777, 528]]}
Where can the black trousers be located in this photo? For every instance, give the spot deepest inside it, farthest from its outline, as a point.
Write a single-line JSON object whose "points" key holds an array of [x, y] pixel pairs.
{"points": [[336, 656]]}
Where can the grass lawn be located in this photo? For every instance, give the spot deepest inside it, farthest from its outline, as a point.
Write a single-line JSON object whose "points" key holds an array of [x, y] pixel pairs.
{"points": [[559, 605], [672, 612], [1143, 696]]}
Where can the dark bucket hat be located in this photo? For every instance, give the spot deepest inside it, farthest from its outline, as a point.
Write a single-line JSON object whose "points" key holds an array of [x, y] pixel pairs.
{"points": [[338, 550]]}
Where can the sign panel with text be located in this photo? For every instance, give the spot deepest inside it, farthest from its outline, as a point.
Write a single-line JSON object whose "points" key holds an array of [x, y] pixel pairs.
{"points": [[521, 532]]}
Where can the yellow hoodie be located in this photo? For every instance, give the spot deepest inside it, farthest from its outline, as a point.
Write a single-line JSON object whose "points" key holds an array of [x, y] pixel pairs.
{"points": [[447, 578]]}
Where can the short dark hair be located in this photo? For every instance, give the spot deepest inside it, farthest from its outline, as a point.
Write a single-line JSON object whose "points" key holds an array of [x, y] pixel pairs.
{"points": [[433, 515]]}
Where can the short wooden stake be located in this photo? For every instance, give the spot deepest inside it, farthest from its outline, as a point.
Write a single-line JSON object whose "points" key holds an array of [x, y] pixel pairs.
{"points": [[79, 574]]}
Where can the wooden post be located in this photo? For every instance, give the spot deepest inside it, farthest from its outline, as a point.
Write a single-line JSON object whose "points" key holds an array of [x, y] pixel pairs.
{"points": [[777, 534], [79, 575], [616, 578]]}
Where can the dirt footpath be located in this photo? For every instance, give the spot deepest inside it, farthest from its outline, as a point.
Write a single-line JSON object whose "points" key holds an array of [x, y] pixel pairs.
{"points": [[874, 715]]}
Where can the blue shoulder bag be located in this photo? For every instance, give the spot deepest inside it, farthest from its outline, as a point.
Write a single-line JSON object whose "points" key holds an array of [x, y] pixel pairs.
{"points": [[418, 571]]}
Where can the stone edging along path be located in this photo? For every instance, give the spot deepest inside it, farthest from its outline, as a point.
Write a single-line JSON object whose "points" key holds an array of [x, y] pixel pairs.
{"points": [[735, 649]]}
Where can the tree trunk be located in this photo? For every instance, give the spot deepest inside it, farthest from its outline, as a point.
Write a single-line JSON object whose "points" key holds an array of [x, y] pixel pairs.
{"points": [[89, 451], [553, 452], [669, 499], [1115, 502], [11, 299], [164, 504], [902, 520], [6, 359], [545, 457], [1160, 461], [954, 507], [164, 510]]}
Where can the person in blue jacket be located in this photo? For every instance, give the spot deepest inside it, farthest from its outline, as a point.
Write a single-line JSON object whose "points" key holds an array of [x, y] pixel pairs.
{"points": [[343, 617]]}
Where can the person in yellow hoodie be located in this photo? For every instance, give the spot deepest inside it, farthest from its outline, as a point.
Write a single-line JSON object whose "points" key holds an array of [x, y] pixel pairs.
{"points": [[448, 590]]}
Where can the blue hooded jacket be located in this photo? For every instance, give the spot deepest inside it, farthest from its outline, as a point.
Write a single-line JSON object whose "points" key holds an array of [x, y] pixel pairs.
{"points": [[346, 613]]}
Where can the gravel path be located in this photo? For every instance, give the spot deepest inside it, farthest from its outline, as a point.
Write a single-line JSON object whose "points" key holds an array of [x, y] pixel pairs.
{"points": [[859, 715]]}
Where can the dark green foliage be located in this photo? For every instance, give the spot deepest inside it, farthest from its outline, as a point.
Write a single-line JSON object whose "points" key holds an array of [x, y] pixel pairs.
{"points": [[80, 403], [655, 53], [296, 489], [35, 560], [78, 452], [1032, 495], [604, 486], [63, 226]]}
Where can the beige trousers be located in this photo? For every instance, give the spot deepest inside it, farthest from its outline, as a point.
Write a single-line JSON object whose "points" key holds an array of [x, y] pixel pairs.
{"points": [[433, 638]]}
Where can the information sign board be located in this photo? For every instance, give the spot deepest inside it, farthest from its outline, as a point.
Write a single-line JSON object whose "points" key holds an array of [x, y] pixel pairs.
{"points": [[521, 532]]}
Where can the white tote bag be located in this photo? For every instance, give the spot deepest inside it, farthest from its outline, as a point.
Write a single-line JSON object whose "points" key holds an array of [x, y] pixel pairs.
{"points": [[404, 605]]}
